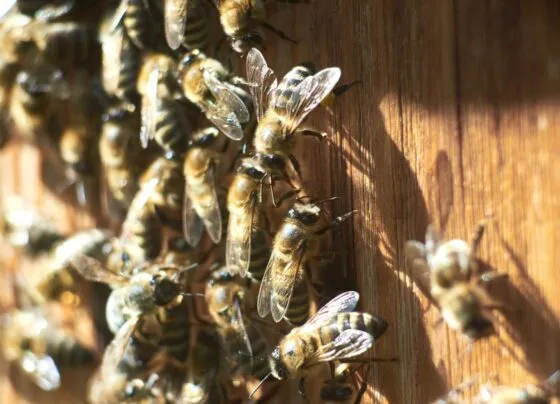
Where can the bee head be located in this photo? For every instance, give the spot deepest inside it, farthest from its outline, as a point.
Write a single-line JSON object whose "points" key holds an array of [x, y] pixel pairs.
{"points": [[277, 366], [306, 213], [165, 290], [245, 42], [189, 59]]}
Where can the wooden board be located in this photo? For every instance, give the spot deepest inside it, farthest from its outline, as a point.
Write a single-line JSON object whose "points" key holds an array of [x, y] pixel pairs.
{"points": [[457, 113]]}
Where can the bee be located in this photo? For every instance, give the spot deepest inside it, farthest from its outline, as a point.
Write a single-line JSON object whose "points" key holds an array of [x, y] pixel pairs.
{"points": [[244, 344], [339, 388], [333, 333], [455, 282], [217, 92], [533, 394], [281, 108], [243, 20], [158, 202], [201, 205], [141, 22], [57, 275], [16, 39], [283, 287], [186, 24], [40, 347], [25, 228]]}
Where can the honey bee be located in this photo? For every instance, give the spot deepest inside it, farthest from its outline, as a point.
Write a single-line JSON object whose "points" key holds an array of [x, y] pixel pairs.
{"points": [[201, 205], [159, 202], [333, 333], [40, 347], [16, 39], [244, 344], [139, 20], [217, 92], [281, 108], [186, 24], [25, 228], [283, 287], [529, 394], [455, 282], [339, 388], [57, 275], [243, 20]]}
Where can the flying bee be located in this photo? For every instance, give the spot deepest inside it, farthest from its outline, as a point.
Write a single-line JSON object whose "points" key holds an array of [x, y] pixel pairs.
{"points": [[201, 205], [455, 282], [40, 347], [333, 333], [186, 24], [217, 92], [25, 228], [158, 203], [529, 394], [244, 344], [295, 244], [281, 108]]}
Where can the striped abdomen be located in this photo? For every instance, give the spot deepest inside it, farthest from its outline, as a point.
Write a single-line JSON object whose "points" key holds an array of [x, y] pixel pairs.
{"points": [[172, 125], [129, 67], [137, 22], [352, 321], [142, 232], [298, 309], [285, 91], [65, 349], [260, 254], [260, 350], [196, 29], [175, 330], [68, 43]]}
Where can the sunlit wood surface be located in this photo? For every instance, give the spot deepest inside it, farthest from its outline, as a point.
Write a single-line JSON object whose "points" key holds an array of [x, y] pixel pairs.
{"points": [[457, 114]]}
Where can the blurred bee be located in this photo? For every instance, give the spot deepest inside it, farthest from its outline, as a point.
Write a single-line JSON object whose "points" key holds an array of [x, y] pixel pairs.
{"points": [[529, 394], [141, 21], [339, 388], [281, 108], [8, 73], [186, 24], [119, 149], [283, 290], [17, 45], [243, 20], [25, 228], [140, 293], [217, 92], [201, 205], [333, 333], [244, 345], [180, 253], [57, 276], [455, 282], [40, 347], [130, 366]]}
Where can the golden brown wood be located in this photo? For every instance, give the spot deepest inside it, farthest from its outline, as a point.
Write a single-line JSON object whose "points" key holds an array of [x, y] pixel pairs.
{"points": [[457, 114]]}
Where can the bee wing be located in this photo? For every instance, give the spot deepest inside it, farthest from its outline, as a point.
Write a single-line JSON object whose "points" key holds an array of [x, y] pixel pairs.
{"points": [[116, 349], [94, 271], [238, 323], [310, 92], [213, 220], [280, 297], [175, 14], [348, 344], [262, 81], [415, 261], [149, 108], [238, 244], [42, 370], [344, 302], [192, 224], [229, 111], [119, 14]]}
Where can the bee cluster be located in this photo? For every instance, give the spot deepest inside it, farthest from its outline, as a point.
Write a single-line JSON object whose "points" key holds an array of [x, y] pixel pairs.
{"points": [[197, 164]]}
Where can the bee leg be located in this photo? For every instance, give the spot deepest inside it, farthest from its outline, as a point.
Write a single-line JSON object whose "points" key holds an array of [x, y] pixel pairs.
{"points": [[363, 387], [492, 276], [295, 164], [275, 30], [337, 221], [341, 89], [283, 198], [312, 132], [301, 390], [478, 233]]}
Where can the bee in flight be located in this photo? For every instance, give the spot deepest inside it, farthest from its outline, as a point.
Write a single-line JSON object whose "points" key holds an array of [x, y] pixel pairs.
{"points": [[282, 107], [333, 333], [455, 281], [40, 347], [283, 291]]}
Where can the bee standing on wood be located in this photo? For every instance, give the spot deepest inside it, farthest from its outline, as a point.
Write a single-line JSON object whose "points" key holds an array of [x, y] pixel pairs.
{"points": [[283, 290], [455, 282]]}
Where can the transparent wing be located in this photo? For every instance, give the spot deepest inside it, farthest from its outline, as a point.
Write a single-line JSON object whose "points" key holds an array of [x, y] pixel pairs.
{"points": [[286, 276], [344, 302], [415, 261], [149, 108], [265, 290], [238, 243], [310, 92], [175, 22], [348, 344], [42, 370], [193, 227], [238, 323], [94, 271], [229, 111], [213, 218], [116, 349], [119, 14], [262, 81]]}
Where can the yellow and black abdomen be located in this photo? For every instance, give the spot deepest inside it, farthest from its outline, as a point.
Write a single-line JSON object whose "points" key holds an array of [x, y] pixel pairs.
{"points": [[129, 69], [172, 126], [375, 326], [65, 349], [298, 309], [196, 28], [285, 91], [69, 44], [260, 254], [174, 322]]}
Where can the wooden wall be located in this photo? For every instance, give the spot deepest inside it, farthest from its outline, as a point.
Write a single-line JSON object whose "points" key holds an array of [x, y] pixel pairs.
{"points": [[457, 114]]}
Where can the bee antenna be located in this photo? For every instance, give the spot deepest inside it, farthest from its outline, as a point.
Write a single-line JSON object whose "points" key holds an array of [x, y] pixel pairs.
{"points": [[259, 385], [301, 198], [334, 198], [192, 294]]}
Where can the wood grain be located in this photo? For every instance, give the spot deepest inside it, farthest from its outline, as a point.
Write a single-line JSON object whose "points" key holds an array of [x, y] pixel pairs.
{"points": [[457, 113]]}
